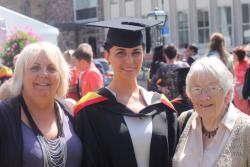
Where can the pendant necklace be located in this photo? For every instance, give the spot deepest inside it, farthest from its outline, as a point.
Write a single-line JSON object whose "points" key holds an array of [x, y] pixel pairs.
{"points": [[207, 133]]}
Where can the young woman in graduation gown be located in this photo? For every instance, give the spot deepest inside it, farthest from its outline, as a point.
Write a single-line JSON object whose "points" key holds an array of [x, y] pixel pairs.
{"points": [[124, 125]]}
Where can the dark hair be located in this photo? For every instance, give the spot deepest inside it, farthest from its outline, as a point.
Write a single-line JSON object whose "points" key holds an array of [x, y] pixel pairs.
{"points": [[181, 79], [193, 48], [170, 51], [217, 43], [158, 54], [240, 53], [108, 46], [158, 58]]}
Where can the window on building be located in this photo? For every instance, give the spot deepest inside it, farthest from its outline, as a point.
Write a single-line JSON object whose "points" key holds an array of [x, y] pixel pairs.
{"points": [[203, 21], [245, 5], [182, 22], [225, 19], [85, 9]]}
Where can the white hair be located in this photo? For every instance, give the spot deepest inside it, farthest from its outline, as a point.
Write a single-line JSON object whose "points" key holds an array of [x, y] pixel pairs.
{"points": [[211, 66], [31, 52]]}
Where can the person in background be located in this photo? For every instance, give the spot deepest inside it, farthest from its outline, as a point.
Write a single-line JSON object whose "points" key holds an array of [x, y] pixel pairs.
{"points": [[241, 64], [182, 102], [217, 49], [124, 125], [5, 89], [74, 76], [216, 133], [36, 128], [158, 60], [166, 77], [191, 54], [90, 78], [5, 73]]}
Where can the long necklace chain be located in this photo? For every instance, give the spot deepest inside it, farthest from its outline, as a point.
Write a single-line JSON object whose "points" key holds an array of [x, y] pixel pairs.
{"points": [[54, 151]]}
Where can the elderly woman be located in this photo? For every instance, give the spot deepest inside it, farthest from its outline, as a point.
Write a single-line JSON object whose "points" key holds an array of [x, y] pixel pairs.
{"points": [[216, 134], [35, 127]]}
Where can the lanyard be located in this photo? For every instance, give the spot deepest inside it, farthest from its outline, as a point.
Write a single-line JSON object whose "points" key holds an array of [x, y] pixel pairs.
{"points": [[33, 125]]}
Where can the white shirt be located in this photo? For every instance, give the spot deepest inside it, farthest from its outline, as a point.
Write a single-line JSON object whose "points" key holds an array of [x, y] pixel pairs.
{"points": [[194, 155]]}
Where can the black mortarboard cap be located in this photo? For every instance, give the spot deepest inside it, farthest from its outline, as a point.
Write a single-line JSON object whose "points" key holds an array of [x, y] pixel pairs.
{"points": [[126, 31]]}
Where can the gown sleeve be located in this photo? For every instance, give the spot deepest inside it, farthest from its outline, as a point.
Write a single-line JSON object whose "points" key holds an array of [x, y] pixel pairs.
{"points": [[92, 156], [172, 133]]}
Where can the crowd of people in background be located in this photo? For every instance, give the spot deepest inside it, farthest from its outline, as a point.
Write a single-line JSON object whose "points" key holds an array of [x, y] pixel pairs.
{"points": [[165, 74], [164, 71], [56, 104]]}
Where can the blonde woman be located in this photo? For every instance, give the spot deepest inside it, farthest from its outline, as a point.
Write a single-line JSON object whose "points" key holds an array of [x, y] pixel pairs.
{"points": [[36, 128]]}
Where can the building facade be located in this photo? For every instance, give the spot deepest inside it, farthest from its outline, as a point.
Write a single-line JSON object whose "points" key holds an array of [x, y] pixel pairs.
{"points": [[189, 21], [70, 16], [192, 21]]}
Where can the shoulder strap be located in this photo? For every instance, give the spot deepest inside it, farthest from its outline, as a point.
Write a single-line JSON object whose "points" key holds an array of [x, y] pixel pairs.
{"points": [[184, 119]]}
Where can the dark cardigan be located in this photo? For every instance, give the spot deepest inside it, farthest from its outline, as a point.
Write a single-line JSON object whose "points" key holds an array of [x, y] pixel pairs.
{"points": [[246, 86], [11, 139]]}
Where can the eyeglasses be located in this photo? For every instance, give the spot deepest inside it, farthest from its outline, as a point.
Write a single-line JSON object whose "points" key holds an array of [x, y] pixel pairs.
{"points": [[210, 90]]}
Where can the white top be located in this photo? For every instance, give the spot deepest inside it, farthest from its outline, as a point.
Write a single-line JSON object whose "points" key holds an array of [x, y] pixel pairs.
{"points": [[140, 130], [194, 155]]}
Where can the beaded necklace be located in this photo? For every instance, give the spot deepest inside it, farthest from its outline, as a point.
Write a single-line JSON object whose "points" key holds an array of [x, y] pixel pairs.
{"points": [[55, 150], [207, 133]]}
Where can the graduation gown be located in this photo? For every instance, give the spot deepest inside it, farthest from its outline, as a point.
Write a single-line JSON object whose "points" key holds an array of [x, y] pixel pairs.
{"points": [[106, 140], [182, 104]]}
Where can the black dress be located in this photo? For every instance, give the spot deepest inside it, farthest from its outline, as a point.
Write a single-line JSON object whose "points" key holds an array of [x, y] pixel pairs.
{"points": [[107, 143]]}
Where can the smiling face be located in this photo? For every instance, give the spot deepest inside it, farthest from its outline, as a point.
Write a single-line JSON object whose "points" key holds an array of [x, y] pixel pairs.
{"points": [[41, 78], [207, 96], [126, 62]]}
